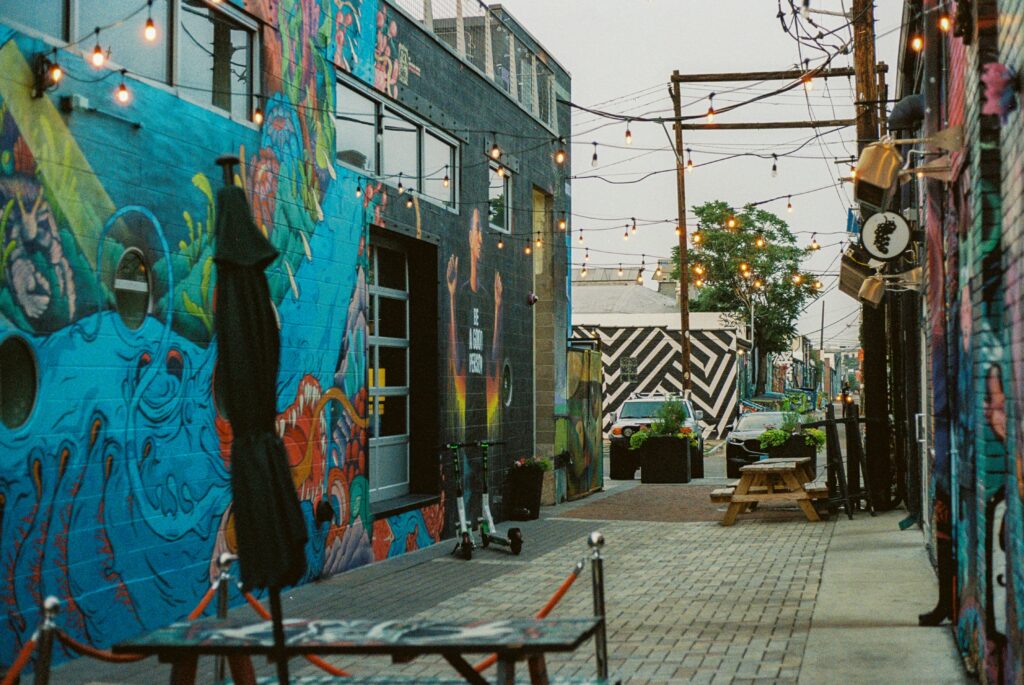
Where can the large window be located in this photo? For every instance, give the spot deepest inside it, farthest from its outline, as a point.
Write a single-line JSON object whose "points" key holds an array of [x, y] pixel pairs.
{"points": [[218, 59], [497, 198], [356, 129], [401, 151]]}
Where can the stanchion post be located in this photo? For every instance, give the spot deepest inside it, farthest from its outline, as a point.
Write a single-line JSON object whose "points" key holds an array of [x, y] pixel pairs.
{"points": [[596, 542], [51, 606], [224, 565]]}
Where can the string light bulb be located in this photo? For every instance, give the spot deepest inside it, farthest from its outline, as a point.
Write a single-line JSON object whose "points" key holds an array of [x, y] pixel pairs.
{"points": [[359, 191], [625, 232], [815, 245], [123, 96], [679, 231], [775, 165], [817, 285], [853, 172], [56, 73], [808, 83], [446, 181], [758, 284], [699, 282], [586, 255], [944, 22], [581, 235], [620, 268], [633, 229], [401, 187], [640, 276], [149, 32], [528, 249], [98, 57], [629, 135], [797, 279], [760, 241], [583, 271], [917, 43], [495, 150], [698, 237], [501, 171], [744, 267], [501, 243], [408, 199], [789, 204], [560, 153], [731, 222], [538, 241], [698, 269], [562, 223], [689, 160], [657, 272], [711, 108], [593, 160], [257, 116]]}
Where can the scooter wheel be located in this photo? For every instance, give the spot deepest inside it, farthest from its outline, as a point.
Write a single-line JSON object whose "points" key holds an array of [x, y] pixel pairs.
{"points": [[515, 539], [467, 547]]}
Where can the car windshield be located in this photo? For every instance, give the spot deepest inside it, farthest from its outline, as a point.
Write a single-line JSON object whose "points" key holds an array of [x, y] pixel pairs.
{"points": [[758, 421], [644, 409]]}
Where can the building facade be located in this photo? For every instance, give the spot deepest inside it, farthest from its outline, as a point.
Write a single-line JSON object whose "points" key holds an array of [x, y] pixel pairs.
{"points": [[402, 162]]}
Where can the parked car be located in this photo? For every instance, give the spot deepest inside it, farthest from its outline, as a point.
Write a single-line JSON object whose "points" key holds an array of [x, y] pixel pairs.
{"points": [[635, 413], [742, 444]]}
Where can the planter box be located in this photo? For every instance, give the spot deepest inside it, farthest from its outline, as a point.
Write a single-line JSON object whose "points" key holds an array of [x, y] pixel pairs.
{"points": [[525, 488], [623, 462], [794, 448], [664, 459]]}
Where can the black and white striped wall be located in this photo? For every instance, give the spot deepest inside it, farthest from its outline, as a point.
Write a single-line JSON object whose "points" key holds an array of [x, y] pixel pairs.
{"points": [[655, 350]]}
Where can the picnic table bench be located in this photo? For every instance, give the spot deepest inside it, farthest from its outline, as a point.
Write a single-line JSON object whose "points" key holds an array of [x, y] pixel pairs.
{"points": [[772, 480]]}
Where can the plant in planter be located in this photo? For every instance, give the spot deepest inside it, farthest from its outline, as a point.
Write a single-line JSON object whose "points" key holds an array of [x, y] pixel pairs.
{"points": [[665, 446], [526, 481], [792, 440]]}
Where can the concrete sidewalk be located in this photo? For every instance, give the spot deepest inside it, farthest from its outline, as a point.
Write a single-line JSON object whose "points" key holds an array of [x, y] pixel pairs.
{"points": [[769, 601]]}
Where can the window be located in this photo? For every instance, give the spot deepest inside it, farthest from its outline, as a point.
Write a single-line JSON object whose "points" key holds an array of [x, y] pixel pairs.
{"points": [[45, 16], [627, 367], [438, 167], [18, 381], [497, 199], [217, 57], [356, 127], [127, 45], [401, 151], [131, 288]]}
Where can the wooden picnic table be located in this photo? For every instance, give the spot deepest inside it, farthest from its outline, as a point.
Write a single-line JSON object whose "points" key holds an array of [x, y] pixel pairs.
{"points": [[772, 480], [512, 640]]}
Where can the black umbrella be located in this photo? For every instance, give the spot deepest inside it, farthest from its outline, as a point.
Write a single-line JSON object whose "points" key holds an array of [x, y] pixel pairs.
{"points": [[269, 527]]}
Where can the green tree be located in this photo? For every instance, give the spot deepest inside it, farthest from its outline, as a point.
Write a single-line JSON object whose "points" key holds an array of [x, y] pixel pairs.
{"points": [[749, 260]]}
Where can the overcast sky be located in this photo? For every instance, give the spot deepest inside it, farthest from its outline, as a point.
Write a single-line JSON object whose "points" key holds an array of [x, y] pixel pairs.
{"points": [[621, 55]]}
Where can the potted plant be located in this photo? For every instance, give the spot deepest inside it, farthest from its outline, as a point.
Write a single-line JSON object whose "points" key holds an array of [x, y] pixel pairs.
{"points": [[664, 446], [792, 440], [526, 482]]}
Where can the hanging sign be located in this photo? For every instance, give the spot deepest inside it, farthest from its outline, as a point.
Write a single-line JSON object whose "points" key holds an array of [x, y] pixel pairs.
{"points": [[885, 236]]}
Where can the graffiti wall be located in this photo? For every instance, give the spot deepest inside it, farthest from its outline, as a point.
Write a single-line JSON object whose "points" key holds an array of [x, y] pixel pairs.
{"points": [[580, 435], [114, 456]]}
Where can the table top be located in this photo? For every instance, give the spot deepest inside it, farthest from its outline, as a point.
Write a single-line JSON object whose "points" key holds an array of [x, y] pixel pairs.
{"points": [[302, 636], [775, 465]]}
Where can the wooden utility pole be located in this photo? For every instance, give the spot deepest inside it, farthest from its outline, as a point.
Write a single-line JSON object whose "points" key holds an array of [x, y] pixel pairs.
{"points": [[873, 340], [684, 266]]}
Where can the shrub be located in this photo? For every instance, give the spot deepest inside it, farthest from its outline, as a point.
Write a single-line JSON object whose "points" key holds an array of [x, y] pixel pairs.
{"points": [[669, 422], [773, 437], [533, 464], [815, 437]]}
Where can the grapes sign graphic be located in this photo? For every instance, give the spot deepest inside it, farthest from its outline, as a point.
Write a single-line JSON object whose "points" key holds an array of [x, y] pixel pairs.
{"points": [[885, 236]]}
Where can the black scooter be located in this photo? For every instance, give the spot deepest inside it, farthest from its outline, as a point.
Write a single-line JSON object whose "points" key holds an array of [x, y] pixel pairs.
{"points": [[464, 544], [488, 531]]}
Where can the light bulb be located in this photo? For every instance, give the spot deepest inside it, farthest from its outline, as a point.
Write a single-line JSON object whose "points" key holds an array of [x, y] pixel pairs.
{"points": [[789, 204], [56, 73], [944, 23], [539, 243], [697, 237], [586, 255], [123, 96], [501, 244], [528, 249], [620, 269], [758, 283], [401, 188], [257, 116], [562, 223], [633, 230], [629, 136], [625, 234], [657, 272], [408, 202], [593, 160], [917, 43], [150, 31], [495, 151], [760, 242], [711, 114], [583, 271], [640, 278], [817, 285], [853, 172], [581, 235], [744, 266], [797, 279], [679, 231], [775, 170], [808, 84], [559, 156], [731, 222], [689, 166], [98, 58], [699, 283], [445, 181], [359, 191], [814, 243]]}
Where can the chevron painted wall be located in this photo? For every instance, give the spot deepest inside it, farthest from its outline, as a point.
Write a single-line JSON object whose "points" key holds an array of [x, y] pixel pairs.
{"points": [[645, 359]]}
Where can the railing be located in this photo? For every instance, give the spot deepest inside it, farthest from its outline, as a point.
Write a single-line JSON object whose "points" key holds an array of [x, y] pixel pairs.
{"points": [[484, 39]]}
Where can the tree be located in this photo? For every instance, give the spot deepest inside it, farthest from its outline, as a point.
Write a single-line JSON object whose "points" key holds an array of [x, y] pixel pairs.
{"points": [[744, 261]]}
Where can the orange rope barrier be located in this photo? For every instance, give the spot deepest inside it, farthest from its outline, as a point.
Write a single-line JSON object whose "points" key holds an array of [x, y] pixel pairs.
{"points": [[101, 654], [23, 656], [204, 602], [486, 663], [311, 658]]}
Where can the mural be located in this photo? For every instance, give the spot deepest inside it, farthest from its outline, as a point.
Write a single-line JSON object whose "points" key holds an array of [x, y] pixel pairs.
{"points": [[581, 433]]}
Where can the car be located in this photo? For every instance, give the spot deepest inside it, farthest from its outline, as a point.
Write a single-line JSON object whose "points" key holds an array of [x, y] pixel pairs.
{"points": [[639, 411], [742, 444]]}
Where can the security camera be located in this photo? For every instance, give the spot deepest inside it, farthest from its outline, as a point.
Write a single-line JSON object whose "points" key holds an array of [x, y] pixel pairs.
{"points": [[877, 172], [532, 299]]}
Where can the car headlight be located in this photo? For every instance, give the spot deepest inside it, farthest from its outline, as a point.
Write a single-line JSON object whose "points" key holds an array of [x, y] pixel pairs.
{"points": [[627, 432]]}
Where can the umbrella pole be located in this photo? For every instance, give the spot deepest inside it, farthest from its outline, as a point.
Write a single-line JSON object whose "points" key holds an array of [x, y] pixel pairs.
{"points": [[280, 656]]}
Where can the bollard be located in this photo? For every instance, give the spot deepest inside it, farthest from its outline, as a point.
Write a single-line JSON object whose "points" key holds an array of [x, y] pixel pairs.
{"points": [[596, 542], [51, 605], [224, 562]]}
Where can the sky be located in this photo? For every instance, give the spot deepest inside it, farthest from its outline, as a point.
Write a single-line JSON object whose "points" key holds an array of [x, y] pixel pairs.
{"points": [[621, 56]]}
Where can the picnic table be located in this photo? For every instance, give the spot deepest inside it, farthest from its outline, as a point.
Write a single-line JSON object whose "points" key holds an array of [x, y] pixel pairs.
{"points": [[772, 480]]}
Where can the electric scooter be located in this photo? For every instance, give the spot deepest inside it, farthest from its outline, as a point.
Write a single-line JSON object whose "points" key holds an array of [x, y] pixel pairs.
{"points": [[488, 531], [464, 544]]}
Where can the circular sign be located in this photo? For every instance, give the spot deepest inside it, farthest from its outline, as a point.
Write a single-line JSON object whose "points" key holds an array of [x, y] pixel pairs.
{"points": [[885, 236]]}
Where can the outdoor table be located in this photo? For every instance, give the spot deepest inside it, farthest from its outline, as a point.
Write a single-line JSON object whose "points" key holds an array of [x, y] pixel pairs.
{"points": [[512, 640], [773, 480]]}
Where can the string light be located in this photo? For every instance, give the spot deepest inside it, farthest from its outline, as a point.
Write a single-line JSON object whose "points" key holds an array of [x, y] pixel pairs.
{"points": [[657, 272], [944, 22], [711, 108], [808, 83], [501, 171], [562, 223], [698, 237], [731, 221], [401, 188], [560, 153], [445, 181], [797, 279], [760, 241], [699, 282], [528, 249], [123, 96], [775, 165], [744, 267], [539, 242], [815, 245], [583, 271], [593, 160], [56, 73], [629, 135], [408, 199], [620, 268], [257, 116], [789, 204], [747, 274], [581, 235], [150, 31], [501, 243], [817, 285], [698, 269], [633, 229], [640, 276], [679, 231], [586, 255], [758, 284], [689, 160], [495, 150], [917, 43], [625, 232], [98, 57], [359, 191], [853, 172]]}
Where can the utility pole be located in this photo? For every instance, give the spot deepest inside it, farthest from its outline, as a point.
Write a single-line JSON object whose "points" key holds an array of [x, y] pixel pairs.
{"points": [[873, 341], [684, 265]]}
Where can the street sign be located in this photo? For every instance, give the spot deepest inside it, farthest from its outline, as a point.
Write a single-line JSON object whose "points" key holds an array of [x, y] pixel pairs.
{"points": [[885, 236], [853, 221]]}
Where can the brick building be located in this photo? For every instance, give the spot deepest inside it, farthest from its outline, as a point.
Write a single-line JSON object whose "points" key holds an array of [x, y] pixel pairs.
{"points": [[401, 161]]}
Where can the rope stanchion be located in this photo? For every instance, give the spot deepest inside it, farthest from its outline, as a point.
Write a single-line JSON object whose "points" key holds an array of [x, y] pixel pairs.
{"points": [[311, 658], [101, 654], [489, 661], [23, 656], [205, 601]]}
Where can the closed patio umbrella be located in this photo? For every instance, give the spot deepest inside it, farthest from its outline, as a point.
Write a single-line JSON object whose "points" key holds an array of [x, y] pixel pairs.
{"points": [[269, 527]]}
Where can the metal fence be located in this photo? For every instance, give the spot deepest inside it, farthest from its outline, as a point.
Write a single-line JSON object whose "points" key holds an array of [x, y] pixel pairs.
{"points": [[485, 40]]}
